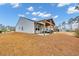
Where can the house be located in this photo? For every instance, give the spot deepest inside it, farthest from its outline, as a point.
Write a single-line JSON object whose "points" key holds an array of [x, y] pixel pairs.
{"points": [[71, 25], [6, 28], [31, 26], [10, 28], [2, 27]]}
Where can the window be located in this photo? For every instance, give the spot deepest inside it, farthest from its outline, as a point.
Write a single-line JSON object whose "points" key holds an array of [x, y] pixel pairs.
{"points": [[22, 28]]}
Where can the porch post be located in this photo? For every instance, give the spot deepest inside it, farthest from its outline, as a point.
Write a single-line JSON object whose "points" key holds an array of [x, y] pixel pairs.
{"points": [[44, 29], [35, 28], [50, 28]]}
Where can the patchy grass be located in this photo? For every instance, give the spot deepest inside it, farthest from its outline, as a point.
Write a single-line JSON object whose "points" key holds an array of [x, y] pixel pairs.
{"points": [[77, 33], [23, 44]]}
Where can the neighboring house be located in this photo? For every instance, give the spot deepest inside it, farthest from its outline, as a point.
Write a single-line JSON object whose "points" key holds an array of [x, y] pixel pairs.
{"points": [[74, 25], [6, 28], [31, 26], [71, 25], [64, 26], [10, 28], [2, 27]]}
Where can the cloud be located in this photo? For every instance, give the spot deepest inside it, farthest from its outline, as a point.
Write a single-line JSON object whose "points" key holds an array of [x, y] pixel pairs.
{"points": [[36, 13], [27, 13], [62, 4], [47, 15], [44, 15], [72, 10], [21, 15], [30, 8], [55, 17], [15, 5], [34, 18], [2, 3], [41, 14]]}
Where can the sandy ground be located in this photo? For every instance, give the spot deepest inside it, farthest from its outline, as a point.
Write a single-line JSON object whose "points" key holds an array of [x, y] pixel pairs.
{"points": [[22, 44], [68, 33]]}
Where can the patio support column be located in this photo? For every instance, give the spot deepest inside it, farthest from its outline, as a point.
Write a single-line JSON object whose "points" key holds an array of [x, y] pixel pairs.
{"points": [[44, 29], [50, 26], [35, 28]]}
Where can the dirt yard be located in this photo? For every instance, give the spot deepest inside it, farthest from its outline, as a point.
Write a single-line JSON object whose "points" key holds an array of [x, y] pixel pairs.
{"points": [[21, 44]]}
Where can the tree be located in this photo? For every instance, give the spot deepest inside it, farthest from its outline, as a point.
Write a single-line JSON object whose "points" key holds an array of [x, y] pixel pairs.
{"points": [[70, 23], [77, 7], [63, 24], [77, 20]]}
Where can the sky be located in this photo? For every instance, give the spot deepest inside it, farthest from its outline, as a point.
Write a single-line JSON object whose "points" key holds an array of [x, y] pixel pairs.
{"points": [[10, 12]]}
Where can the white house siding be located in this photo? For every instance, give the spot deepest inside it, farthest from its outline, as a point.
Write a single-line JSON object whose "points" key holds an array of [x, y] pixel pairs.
{"points": [[25, 25], [67, 27], [64, 27], [74, 26]]}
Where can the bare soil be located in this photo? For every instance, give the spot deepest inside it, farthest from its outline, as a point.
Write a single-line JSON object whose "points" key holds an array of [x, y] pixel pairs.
{"points": [[23, 44]]}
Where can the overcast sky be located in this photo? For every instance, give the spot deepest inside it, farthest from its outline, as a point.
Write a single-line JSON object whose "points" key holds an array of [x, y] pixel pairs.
{"points": [[10, 13]]}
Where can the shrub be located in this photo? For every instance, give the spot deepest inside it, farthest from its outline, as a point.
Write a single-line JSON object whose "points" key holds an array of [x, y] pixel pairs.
{"points": [[0, 31], [3, 30], [77, 33]]}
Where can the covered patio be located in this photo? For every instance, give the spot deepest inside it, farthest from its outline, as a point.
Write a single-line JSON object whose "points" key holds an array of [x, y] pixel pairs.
{"points": [[44, 26]]}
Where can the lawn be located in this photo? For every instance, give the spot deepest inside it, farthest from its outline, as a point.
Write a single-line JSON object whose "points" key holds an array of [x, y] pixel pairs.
{"points": [[23, 44]]}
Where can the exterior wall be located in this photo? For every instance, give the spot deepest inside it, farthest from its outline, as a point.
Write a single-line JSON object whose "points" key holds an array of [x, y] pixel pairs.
{"points": [[67, 27], [70, 27], [37, 26], [25, 25], [74, 26], [40, 28], [64, 28]]}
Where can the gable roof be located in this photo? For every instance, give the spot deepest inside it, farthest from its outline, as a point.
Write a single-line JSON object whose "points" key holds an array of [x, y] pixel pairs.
{"points": [[47, 20], [27, 19], [38, 20]]}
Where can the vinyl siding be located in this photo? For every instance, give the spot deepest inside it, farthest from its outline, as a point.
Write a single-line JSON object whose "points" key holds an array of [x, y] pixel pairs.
{"points": [[25, 25]]}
